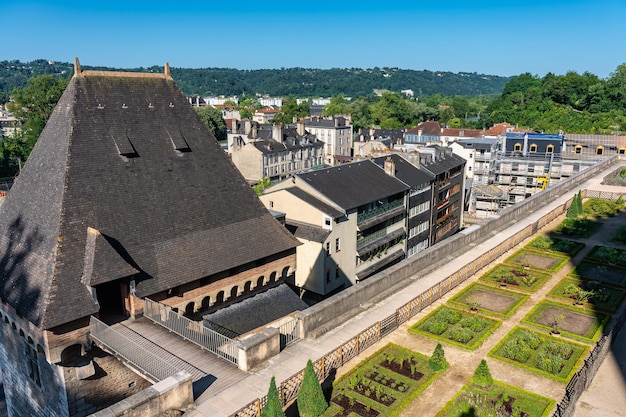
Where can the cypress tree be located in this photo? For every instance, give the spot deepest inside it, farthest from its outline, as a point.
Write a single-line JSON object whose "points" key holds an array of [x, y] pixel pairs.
{"points": [[482, 375], [438, 361], [572, 211], [579, 203], [272, 407], [311, 401]]}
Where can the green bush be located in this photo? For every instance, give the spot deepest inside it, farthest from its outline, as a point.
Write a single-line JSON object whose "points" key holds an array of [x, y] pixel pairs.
{"points": [[310, 400], [435, 326], [475, 324], [272, 407], [449, 316], [461, 335], [437, 361], [482, 375]]}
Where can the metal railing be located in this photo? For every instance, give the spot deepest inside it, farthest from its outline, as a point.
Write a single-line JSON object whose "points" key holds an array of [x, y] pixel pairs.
{"points": [[151, 365], [371, 237], [194, 331], [289, 333], [361, 217]]}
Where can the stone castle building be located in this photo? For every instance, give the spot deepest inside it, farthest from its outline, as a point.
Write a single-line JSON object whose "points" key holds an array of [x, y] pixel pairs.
{"points": [[125, 195]]}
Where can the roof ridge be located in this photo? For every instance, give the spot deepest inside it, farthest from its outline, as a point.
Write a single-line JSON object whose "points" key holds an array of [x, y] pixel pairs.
{"points": [[101, 73]]}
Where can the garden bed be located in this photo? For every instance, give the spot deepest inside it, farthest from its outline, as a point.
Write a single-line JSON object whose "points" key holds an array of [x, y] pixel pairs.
{"points": [[598, 272], [489, 300], [576, 228], [547, 260], [552, 244], [460, 328], [381, 385], [516, 277], [605, 255], [567, 320], [589, 294], [546, 355], [499, 399]]}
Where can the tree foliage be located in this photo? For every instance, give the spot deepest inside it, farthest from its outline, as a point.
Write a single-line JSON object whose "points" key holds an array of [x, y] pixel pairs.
{"points": [[32, 105], [213, 119], [482, 375], [272, 407], [311, 401], [291, 110]]}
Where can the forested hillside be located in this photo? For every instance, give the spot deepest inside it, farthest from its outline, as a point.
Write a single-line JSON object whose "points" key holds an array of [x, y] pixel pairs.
{"points": [[300, 82]]}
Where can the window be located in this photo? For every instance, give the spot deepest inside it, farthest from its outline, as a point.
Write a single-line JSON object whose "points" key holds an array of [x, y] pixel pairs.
{"points": [[469, 168], [327, 276], [599, 150], [271, 204], [337, 273], [621, 151], [514, 180], [578, 149], [517, 147], [327, 248], [337, 247], [533, 148], [33, 364], [327, 222], [550, 149]]}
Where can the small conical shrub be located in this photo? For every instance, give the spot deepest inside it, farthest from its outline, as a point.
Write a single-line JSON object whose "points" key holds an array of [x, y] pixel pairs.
{"points": [[311, 401], [482, 375], [579, 203], [272, 407], [438, 361], [572, 211]]}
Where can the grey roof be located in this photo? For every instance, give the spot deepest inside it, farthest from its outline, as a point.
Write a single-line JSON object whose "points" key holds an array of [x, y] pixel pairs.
{"points": [[354, 184], [406, 171], [445, 163], [257, 311], [478, 143], [125, 180], [307, 231], [315, 202]]}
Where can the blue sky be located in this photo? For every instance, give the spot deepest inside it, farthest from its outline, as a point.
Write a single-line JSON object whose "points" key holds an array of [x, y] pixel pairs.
{"points": [[484, 36]]}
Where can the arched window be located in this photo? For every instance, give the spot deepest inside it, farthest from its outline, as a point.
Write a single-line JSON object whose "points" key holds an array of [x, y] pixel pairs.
{"points": [[517, 147], [533, 148], [550, 149], [578, 149], [600, 150]]}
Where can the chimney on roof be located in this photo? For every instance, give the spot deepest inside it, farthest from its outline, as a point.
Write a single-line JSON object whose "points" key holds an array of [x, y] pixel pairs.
{"points": [[168, 74], [76, 67], [372, 132], [301, 128], [277, 132], [390, 166], [246, 127], [254, 132]]}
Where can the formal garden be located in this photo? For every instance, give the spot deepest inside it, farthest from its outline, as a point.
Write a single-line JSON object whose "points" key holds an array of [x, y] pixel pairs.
{"points": [[551, 340]]}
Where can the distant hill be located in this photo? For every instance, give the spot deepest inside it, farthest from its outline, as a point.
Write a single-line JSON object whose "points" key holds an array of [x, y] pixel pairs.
{"points": [[300, 82]]}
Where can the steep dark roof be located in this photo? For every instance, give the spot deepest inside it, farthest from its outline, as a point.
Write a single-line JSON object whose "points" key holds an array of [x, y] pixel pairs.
{"points": [[125, 180], [441, 165], [406, 171], [354, 184]]}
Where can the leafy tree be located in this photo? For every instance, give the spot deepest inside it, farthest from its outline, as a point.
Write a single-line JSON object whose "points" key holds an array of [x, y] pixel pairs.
{"points": [[32, 105], [482, 375], [213, 119], [311, 401], [272, 407], [338, 105], [437, 361], [261, 185], [290, 110]]}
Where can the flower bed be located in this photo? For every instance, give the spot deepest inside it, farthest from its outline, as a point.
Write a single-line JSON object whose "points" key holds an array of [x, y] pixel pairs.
{"points": [[460, 328], [598, 272], [546, 355], [607, 256], [381, 385], [516, 277], [535, 259], [580, 228], [499, 399]]}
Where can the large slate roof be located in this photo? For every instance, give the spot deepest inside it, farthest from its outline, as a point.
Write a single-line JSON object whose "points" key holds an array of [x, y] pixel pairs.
{"points": [[406, 171], [125, 180], [354, 184]]}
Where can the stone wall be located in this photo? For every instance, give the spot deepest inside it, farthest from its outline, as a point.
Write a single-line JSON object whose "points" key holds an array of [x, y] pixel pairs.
{"points": [[173, 394], [333, 311], [43, 395]]}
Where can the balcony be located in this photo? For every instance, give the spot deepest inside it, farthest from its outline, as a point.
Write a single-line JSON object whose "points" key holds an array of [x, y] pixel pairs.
{"points": [[377, 239], [380, 213]]}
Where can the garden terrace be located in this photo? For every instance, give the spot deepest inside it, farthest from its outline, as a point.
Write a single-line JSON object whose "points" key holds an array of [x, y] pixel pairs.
{"points": [[515, 277], [527, 258], [594, 271], [553, 244]]}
